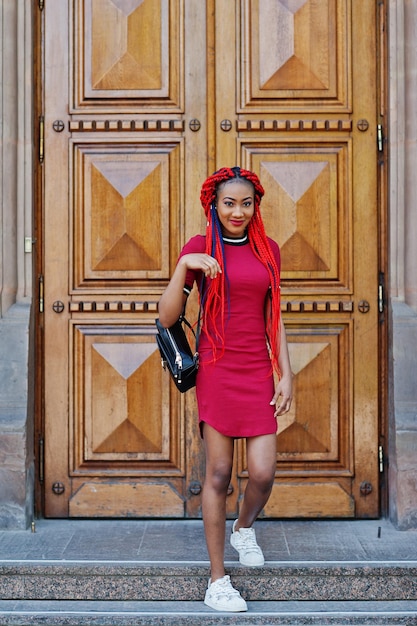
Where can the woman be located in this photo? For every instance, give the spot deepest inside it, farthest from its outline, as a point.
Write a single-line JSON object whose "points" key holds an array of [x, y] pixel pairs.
{"points": [[242, 340]]}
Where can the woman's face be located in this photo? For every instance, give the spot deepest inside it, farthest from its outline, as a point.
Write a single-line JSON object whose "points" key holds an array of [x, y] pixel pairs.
{"points": [[235, 206]]}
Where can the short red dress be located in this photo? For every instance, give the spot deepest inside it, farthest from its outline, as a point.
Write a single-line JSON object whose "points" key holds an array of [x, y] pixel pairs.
{"points": [[234, 392]]}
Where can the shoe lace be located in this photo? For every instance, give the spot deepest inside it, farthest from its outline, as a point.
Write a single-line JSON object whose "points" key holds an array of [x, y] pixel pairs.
{"points": [[249, 540], [223, 588]]}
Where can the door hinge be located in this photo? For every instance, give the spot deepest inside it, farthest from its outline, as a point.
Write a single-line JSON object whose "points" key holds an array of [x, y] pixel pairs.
{"points": [[41, 459], [380, 138], [381, 292], [41, 4], [40, 293], [381, 459], [41, 138]]}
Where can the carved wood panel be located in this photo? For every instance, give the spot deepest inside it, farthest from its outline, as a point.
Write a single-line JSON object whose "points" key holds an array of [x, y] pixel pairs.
{"points": [[319, 427], [128, 53], [307, 209], [123, 412], [124, 207], [306, 65]]}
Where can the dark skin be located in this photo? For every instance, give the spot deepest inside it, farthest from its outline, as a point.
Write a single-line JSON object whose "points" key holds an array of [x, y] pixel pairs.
{"points": [[235, 208]]}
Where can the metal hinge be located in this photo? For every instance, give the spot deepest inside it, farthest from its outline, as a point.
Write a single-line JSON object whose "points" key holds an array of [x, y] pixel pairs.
{"points": [[381, 292], [380, 138], [41, 4], [41, 138], [40, 293], [41, 459], [381, 459]]}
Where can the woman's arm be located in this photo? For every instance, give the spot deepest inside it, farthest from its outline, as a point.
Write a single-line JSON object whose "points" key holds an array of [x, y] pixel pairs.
{"points": [[173, 299], [284, 357], [283, 389]]}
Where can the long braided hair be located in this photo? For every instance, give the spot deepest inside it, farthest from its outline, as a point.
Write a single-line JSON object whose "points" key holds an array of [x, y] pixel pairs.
{"points": [[216, 296]]}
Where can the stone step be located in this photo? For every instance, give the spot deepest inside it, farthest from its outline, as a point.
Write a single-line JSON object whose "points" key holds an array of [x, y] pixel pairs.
{"points": [[166, 613], [142, 581]]}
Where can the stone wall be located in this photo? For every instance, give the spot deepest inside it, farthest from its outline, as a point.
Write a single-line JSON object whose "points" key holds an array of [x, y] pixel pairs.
{"points": [[16, 422], [402, 135], [16, 364]]}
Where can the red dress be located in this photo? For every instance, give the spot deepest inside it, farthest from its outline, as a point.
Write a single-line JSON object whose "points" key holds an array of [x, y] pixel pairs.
{"points": [[235, 391]]}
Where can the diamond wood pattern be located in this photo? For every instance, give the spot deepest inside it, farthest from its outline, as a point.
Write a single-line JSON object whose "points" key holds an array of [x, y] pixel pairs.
{"points": [[311, 430], [127, 50], [126, 60], [118, 392], [305, 63], [153, 96], [122, 212], [306, 209]]}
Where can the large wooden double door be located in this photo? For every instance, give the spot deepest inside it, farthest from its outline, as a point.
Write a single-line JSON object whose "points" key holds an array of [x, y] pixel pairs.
{"points": [[143, 99]]}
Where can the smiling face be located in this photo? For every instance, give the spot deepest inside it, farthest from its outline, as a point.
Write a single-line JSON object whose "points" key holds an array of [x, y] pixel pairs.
{"points": [[235, 206]]}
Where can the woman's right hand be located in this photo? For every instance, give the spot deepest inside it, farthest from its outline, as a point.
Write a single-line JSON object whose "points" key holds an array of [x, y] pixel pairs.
{"points": [[201, 261], [173, 299]]}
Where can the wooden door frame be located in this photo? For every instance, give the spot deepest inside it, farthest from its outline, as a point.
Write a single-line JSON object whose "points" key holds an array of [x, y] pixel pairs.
{"points": [[38, 56], [38, 266], [383, 257]]}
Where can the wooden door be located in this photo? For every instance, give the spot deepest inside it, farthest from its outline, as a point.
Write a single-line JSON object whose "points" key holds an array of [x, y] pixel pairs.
{"points": [[304, 118], [117, 148], [143, 98]]}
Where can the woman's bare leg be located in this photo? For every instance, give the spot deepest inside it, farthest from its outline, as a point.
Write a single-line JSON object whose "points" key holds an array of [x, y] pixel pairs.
{"points": [[219, 459], [262, 460]]}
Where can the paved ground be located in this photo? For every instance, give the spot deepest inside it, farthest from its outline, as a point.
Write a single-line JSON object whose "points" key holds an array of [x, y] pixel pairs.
{"points": [[183, 540]]}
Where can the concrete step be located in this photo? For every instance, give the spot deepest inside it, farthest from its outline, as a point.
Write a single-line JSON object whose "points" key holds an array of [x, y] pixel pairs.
{"points": [[142, 581], [193, 613]]}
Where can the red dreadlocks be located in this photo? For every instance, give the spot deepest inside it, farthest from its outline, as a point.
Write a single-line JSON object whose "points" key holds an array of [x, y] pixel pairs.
{"points": [[216, 296]]}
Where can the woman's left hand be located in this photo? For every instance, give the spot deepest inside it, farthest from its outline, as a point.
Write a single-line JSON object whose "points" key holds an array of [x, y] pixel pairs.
{"points": [[283, 395]]}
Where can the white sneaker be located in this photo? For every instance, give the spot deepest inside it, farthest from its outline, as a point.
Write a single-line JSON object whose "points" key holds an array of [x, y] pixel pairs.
{"points": [[244, 541], [222, 596]]}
